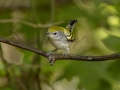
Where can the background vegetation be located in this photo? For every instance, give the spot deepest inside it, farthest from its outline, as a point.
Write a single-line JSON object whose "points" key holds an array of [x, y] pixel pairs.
{"points": [[27, 21]]}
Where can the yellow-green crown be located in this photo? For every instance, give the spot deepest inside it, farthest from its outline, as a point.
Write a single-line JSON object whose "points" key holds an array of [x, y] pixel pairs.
{"points": [[55, 28]]}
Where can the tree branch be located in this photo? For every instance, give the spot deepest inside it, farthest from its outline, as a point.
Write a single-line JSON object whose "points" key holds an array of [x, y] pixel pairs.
{"points": [[53, 57]]}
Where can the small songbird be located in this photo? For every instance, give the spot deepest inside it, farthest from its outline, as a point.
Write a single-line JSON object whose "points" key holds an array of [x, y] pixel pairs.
{"points": [[61, 38]]}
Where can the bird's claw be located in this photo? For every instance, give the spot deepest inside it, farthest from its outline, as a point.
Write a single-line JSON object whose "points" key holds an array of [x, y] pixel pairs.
{"points": [[47, 54], [64, 54], [51, 60]]}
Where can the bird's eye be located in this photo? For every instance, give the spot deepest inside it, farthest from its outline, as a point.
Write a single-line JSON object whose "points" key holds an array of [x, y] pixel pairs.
{"points": [[55, 33]]}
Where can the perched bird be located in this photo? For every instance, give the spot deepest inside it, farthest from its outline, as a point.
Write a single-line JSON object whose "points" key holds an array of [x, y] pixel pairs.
{"points": [[61, 38]]}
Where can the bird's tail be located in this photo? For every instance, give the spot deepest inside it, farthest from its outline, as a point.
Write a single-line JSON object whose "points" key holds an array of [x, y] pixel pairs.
{"points": [[71, 25]]}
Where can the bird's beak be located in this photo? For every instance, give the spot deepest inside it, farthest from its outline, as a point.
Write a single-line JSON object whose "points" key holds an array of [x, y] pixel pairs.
{"points": [[47, 34]]}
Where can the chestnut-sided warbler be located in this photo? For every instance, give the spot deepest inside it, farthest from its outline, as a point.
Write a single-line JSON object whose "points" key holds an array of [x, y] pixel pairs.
{"points": [[61, 38]]}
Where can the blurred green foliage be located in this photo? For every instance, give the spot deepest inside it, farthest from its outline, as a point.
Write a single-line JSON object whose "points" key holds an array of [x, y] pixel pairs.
{"points": [[28, 20]]}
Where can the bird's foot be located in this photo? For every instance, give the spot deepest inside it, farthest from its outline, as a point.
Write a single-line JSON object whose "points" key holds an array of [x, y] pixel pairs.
{"points": [[47, 54], [51, 59]]}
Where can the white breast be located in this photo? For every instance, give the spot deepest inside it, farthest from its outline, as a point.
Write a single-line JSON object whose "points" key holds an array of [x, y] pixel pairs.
{"points": [[60, 44]]}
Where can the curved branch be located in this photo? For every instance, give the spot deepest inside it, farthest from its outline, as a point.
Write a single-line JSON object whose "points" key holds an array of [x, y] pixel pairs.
{"points": [[53, 57], [23, 46]]}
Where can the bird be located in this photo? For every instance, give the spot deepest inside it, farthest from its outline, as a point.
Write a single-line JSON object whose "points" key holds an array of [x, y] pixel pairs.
{"points": [[61, 38]]}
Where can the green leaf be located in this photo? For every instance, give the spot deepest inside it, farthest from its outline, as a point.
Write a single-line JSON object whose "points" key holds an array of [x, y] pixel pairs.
{"points": [[5, 29], [91, 74], [114, 70], [112, 42]]}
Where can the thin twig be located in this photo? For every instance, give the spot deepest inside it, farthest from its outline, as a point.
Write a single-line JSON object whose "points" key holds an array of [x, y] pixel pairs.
{"points": [[30, 66], [29, 23], [6, 66], [52, 11], [9, 76], [80, 40], [21, 84], [53, 57], [4, 3]]}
